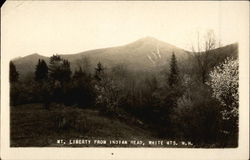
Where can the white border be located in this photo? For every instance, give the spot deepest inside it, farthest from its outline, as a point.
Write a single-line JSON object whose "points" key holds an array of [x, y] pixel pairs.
{"points": [[135, 153]]}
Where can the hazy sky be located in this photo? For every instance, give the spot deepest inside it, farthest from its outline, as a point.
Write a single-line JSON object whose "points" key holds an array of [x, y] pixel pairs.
{"points": [[66, 27]]}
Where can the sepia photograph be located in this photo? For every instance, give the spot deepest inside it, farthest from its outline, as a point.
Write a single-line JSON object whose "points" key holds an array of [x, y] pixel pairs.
{"points": [[135, 75]]}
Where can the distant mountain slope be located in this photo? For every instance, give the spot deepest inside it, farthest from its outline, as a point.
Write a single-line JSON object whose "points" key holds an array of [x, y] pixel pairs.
{"points": [[144, 54], [25, 65], [218, 55]]}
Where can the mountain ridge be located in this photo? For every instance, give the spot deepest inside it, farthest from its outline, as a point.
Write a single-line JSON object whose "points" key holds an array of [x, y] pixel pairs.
{"points": [[143, 54], [144, 39]]}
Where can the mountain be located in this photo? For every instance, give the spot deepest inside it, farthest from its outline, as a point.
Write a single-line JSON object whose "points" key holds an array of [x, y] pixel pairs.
{"points": [[25, 65], [144, 54]]}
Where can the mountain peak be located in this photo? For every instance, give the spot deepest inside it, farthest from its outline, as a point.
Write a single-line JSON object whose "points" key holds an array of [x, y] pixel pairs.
{"points": [[149, 41], [148, 38], [35, 54], [145, 41]]}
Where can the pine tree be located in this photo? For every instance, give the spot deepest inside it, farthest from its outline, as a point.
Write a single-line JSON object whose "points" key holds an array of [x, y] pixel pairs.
{"points": [[41, 72], [14, 75], [59, 69], [66, 71], [59, 75], [99, 71], [54, 67], [173, 76], [81, 91]]}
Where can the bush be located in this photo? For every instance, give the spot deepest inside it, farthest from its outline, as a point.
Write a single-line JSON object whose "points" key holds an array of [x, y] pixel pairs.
{"points": [[197, 116], [23, 93], [67, 120]]}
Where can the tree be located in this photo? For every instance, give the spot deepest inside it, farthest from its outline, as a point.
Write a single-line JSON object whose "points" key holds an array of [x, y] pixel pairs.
{"points": [[173, 76], [197, 116], [99, 72], [78, 74], [80, 91], [54, 67], [224, 81], [14, 75], [203, 52], [66, 71], [41, 72], [108, 97], [60, 75], [14, 90], [59, 69]]}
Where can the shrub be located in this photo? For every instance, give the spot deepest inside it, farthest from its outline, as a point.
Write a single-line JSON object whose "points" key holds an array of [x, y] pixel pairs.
{"points": [[197, 116]]}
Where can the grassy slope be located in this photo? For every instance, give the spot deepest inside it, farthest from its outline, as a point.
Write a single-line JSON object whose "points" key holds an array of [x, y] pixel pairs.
{"points": [[32, 125]]}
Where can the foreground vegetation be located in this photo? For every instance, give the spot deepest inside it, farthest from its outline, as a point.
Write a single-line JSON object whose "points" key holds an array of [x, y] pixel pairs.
{"points": [[33, 125]]}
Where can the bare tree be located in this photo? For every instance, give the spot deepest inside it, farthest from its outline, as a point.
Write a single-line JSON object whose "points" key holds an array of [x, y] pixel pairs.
{"points": [[202, 51]]}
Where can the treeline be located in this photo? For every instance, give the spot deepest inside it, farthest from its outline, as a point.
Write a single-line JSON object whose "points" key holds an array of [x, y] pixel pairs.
{"points": [[52, 83], [175, 103]]}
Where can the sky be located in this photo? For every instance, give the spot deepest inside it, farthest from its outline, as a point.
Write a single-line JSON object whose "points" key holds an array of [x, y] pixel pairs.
{"points": [[68, 27]]}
